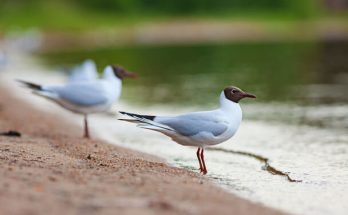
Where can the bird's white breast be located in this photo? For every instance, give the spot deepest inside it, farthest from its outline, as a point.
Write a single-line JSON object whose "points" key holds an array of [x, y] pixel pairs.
{"points": [[230, 113], [232, 118]]}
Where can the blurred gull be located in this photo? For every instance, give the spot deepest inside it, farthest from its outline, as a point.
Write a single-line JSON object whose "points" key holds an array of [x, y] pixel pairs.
{"points": [[199, 129], [87, 71], [86, 97]]}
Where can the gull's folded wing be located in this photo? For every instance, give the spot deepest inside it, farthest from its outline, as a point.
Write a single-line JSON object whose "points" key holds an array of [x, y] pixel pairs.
{"points": [[192, 124], [84, 94]]}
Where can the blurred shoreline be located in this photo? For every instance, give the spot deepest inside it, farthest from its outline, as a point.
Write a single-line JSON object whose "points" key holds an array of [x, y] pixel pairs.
{"points": [[196, 32], [191, 31]]}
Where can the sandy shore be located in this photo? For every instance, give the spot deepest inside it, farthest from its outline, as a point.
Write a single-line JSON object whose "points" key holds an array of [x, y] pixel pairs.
{"points": [[51, 170]]}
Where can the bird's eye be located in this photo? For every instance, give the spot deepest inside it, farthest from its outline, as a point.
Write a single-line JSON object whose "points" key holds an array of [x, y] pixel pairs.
{"points": [[234, 91]]}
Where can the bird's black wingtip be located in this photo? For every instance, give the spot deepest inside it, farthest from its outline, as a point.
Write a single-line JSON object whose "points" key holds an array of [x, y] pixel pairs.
{"points": [[20, 81], [29, 84], [137, 115]]}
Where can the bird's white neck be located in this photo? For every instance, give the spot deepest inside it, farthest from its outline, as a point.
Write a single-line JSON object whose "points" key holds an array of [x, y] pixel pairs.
{"points": [[230, 106], [109, 74], [115, 82]]}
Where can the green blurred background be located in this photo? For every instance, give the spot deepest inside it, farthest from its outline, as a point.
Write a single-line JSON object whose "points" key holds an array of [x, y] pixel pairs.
{"points": [[85, 14], [283, 50]]}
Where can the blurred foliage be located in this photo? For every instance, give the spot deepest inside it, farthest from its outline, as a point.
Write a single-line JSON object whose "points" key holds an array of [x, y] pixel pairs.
{"points": [[195, 6], [178, 7], [89, 13]]}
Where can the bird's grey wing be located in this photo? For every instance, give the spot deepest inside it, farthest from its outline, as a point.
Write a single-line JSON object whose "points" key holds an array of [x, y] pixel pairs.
{"points": [[191, 125], [84, 94]]}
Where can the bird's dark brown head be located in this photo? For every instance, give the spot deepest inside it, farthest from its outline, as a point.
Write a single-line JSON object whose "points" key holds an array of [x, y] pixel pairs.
{"points": [[235, 94], [121, 73]]}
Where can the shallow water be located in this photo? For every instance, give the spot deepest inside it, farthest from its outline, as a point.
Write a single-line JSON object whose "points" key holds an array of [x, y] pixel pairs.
{"points": [[299, 121], [315, 156], [194, 74]]}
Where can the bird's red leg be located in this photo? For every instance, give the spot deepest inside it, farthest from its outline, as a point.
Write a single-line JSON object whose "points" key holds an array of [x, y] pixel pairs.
{"points": [[203, 162], [86, 131], [199, 160]]}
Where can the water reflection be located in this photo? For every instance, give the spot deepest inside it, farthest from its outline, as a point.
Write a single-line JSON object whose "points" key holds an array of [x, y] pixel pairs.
{"points": [[195, 74]]}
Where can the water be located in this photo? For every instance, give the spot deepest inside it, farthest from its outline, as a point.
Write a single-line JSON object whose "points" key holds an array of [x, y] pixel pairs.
{"points": [[299, 121], [274, 71]]}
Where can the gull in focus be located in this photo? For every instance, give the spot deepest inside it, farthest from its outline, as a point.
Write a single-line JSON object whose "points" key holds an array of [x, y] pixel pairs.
{"points": [[200, 129], [86, 97]]}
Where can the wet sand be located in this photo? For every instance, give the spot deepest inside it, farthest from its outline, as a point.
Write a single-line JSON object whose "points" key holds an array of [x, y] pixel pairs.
{"points": [[51, 170]]}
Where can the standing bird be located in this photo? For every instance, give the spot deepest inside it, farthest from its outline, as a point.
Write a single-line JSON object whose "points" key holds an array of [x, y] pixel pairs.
{"points": [[200, 129], [86, 97]]}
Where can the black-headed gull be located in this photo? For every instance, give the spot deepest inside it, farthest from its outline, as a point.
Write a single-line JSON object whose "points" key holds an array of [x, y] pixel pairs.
{"points": [[199, 129], [86, 97], [86, 71]]}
